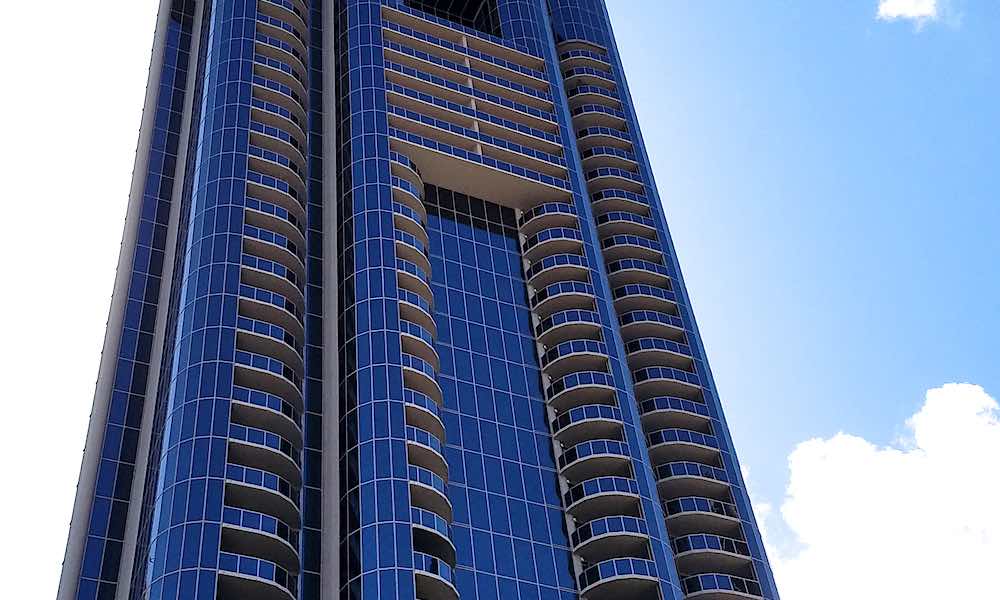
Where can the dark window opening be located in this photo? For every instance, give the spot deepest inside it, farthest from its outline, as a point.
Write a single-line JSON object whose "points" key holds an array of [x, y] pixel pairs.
{"points": [[480, 15]]}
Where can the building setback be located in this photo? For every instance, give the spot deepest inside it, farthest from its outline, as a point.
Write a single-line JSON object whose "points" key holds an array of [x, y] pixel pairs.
{"points": [[397, 316]]}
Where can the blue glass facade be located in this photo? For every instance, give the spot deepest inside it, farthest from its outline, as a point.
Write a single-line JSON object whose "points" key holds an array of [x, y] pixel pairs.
{"points": [[423, 332], [509, 528]]}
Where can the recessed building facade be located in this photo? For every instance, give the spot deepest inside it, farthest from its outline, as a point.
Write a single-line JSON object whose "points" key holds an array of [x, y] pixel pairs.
{"points": [[398, 316]]}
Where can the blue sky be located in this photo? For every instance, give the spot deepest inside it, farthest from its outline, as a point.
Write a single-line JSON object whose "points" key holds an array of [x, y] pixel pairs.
{"points": [[831, 183]]}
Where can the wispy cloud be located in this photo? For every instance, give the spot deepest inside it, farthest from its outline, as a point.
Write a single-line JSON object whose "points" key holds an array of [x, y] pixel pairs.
{"points": [[919, 11], [916, 519]]}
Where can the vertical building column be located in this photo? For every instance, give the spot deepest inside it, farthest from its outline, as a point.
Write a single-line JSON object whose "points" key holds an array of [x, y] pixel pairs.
{"points": [[376, 545], [321, 286], [713, 534], [226, 515], [194, 453], [526, 21], [98, 539]]}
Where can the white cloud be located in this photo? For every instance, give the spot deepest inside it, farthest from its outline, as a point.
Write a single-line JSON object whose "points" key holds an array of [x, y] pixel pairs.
{"points": [[917, 10], [919, 519]]}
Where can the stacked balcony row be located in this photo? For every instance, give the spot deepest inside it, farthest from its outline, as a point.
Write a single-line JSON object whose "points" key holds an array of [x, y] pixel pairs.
{"points": [[261, 517], [702, 521], [431, 511], [608, 531]]}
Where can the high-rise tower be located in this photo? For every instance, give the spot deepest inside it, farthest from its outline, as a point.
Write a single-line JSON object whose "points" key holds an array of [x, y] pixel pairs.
{"points": [[398, 316]]}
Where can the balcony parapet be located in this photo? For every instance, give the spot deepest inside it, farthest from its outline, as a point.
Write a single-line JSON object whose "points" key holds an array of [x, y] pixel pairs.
{"points": [[634, 578], [243, 576]]}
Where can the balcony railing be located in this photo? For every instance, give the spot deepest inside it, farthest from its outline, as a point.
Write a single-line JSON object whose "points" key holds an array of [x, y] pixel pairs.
{"points": [[590, 421], [719, 586], [603, 497], [595, 458], [633, 578], [242, 576], [611, 537]]}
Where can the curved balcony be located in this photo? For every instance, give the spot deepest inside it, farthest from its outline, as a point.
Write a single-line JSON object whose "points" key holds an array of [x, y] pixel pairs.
{"points": [[276, 164], [650, 323], [264, 450], [624, 246], [277, 129], [589, 75], [563, 295], [262, 491], [272, 261], [265, 215], [276, 80], [584, 387], [598, 115], [554, 240], [642, 296], [266, 411], [654, 351], [264, 305], [719, 586], [279, 77], [294, 14], [429, 491], [619, 199], [614, 178], [585, 94], [608, 156], [666, 381], [252, 533], [679, 479], [404, 167], [419, 375], [633, 578], [423, 412], [412, 277], [411, 248], [694, 514], [603, 497], [637, 271], [588, 422], [415, 308], [275, 192], [585, 58], [595, 458], [242, 576], [546, 216], [435, 579], [405, 192], [408, 220], [272, 21], [267, 85], [419, 342], [260, 272], [611, 537], [260, 372], [622, 222], [669, 411], [276, 115], [558, 267], [574, 355], [589, 137], [682, 444], [261, 337], [277, 49], [426, 450], [568, 325], [432, 535]]}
